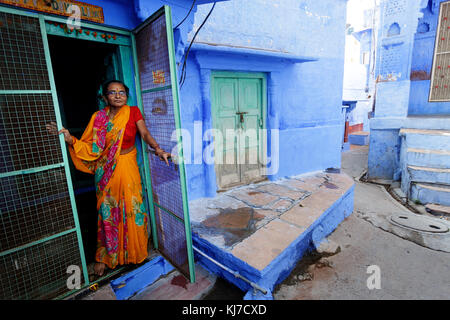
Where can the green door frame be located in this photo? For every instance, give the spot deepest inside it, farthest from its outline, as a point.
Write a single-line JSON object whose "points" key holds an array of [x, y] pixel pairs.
{"points": [[126, 54], [241, 75], [125, 57], [180, 156]]}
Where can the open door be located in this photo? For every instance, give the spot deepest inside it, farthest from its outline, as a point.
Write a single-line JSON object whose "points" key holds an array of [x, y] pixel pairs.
{"points": [[157, 88], [40, 234]]}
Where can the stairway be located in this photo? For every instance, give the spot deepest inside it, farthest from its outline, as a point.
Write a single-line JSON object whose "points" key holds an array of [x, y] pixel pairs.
{"points": [[359, 138], [425, 163]]}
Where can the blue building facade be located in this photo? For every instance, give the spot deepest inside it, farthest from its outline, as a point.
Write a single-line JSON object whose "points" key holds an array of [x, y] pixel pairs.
{"points": [[299, 49], [409, 134], [273, 68]]}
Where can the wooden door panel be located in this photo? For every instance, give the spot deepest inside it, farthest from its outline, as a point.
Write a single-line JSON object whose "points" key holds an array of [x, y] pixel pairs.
{"points": [[237, 113]]}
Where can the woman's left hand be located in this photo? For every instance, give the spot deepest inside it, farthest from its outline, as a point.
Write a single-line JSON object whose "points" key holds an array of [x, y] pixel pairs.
{"points": [[164, 156]]}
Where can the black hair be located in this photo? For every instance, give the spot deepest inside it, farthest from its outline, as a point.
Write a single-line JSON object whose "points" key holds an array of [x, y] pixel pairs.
{"points": [[106, 85]]}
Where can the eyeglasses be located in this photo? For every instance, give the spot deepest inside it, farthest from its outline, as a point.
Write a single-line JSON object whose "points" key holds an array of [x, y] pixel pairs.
{"points": [[113, 93]]}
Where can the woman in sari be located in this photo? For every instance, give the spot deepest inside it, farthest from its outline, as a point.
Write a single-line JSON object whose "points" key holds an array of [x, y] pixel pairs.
{"points": [[106, 150]]}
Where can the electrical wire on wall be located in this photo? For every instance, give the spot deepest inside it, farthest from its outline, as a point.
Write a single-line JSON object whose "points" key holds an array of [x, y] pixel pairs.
{"points": [[183, 70], [192, 7]]}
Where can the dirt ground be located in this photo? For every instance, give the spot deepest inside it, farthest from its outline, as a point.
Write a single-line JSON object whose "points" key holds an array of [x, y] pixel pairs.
{"points": [[406, 270]]}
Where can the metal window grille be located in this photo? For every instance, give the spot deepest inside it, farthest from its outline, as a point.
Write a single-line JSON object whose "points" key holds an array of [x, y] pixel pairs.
{"points": [[440, 76], [155, 56], [39, 239]]}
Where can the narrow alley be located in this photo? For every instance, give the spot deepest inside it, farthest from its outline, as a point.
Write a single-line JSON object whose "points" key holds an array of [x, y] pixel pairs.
{"points": [[407, 270]]}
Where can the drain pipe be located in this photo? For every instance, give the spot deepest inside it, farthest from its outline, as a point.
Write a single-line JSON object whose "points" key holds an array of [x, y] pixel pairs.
{"points": [[234, 273]]}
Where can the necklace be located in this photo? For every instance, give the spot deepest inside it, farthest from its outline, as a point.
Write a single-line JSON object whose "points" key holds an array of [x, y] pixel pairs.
{"points": [[112, 114]]}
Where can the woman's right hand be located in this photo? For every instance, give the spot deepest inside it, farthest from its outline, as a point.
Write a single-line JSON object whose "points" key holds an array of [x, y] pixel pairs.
{"points": [[53, 129]]}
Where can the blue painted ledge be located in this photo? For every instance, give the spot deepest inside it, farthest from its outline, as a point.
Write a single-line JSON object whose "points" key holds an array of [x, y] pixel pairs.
{"points": [[285, 262], [276, 56], [136, 280]]}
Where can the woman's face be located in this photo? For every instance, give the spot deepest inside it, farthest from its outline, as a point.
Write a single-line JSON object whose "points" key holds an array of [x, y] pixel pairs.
{"points": [[116, 95]]}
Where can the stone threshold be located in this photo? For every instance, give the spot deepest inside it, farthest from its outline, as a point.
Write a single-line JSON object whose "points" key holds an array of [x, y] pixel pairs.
{"points": [[262, 230]]}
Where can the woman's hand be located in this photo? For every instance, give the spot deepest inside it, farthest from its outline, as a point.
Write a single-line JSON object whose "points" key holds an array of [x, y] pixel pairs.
{"points": [[164, 156], [53, 129]]}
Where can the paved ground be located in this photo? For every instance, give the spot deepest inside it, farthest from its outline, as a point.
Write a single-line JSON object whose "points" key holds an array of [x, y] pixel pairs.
{"points": [[256, 222], [407, 270]]}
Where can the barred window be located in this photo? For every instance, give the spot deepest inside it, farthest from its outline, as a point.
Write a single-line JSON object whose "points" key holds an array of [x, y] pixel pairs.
{"points": [[440, 76]]}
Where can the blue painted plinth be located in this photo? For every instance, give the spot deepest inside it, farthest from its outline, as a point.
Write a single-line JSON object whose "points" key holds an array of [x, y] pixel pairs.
{"points": [[283, 264], [136, 280], [359, 139]]}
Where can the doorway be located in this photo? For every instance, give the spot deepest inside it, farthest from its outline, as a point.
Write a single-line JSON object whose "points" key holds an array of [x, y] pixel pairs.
{"points": [[238, 110], [80, 68], [48, 208]]}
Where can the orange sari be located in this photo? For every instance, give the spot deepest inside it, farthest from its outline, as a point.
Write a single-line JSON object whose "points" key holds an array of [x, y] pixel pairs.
{"points": [[122, 233]]}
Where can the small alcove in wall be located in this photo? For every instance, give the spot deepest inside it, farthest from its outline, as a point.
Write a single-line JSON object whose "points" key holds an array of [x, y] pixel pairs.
{"points": [[394, 30], [423, 27]]}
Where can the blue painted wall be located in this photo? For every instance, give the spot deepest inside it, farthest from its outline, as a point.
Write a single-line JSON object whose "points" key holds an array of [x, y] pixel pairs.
{"points": [[117, 13], [304, 99], [365, 39], [395, 46], [405, 49]]}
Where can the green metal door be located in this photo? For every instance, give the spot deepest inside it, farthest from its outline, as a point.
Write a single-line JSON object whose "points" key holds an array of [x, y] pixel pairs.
{"points": [[251, 121], [40, 233], [238, 114], [158, 99], [227, 123]]}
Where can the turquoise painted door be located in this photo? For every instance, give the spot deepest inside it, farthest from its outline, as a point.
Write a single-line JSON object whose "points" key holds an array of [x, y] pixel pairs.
{"points": [[157, 88], [40, 233], [238, 114]]}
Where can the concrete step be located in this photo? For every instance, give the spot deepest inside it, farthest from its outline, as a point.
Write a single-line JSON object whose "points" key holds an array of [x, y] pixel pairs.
{"points": [[428, 158], [430, 193], [360, 138], [427, 139], [175, 286], [438, 210], [429, 175]]}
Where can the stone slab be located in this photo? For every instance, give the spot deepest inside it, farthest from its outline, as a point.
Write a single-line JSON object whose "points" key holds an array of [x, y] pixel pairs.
{"points": [[309, 184], [277, 231], [311, 208], [266, 243], [281, 191], [438, 209], [254, 197], [176, 287]]}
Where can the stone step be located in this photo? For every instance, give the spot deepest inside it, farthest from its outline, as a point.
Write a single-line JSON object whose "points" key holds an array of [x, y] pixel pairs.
{"points": [[426, 139], [428, 158], [360, 138], [430, 193], [176, 287], [438, 210], [430, 175]]}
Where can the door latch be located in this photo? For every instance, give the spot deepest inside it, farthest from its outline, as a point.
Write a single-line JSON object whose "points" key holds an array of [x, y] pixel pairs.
{"points": [[241, 115]]}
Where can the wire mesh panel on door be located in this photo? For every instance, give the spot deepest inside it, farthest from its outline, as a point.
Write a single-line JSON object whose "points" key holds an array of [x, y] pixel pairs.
{"points": [[37, 224], [155, 57]]}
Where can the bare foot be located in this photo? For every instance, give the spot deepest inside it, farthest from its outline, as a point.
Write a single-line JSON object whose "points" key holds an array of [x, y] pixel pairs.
{"points": [[99, 268]]}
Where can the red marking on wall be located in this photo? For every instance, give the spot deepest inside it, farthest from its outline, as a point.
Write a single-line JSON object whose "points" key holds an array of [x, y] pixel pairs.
{"points": [[355, 128]]}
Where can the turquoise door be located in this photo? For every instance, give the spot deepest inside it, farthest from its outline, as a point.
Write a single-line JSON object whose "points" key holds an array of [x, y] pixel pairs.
{"points": [[157, 88], [238, 103], [40, 232]]}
